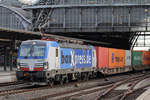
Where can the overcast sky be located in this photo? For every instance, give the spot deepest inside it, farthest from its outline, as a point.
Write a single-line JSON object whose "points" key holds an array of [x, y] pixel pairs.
{"points": [[140, 41]]}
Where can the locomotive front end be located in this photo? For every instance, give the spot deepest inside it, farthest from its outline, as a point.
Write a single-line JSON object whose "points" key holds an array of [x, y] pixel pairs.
{"points": [[32, 61]]}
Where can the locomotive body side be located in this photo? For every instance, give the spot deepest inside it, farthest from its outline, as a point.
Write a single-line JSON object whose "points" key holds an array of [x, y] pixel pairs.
{"points": [[75, 62]]}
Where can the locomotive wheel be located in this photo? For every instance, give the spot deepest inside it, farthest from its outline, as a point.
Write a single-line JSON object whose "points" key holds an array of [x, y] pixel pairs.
{"points": [[66, 80], [79, 77], [62, 82], [84, 77], [51, 82], [94, 75]]}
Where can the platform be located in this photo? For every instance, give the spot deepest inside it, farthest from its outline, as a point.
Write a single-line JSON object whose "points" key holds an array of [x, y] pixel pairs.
{"points": [[145, 95], [8, 76]]}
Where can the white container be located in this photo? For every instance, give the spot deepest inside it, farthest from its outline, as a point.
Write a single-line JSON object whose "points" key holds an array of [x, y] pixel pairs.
{"points": [[128, 58]]}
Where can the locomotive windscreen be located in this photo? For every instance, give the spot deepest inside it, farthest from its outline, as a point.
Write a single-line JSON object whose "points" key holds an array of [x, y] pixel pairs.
{"points": [[33, 51]]}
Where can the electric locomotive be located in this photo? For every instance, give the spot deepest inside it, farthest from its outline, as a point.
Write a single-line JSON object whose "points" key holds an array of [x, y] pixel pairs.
{"points": [[41, 61]]}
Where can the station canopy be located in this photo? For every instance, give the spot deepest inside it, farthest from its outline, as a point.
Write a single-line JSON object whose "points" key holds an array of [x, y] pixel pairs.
{"points": [[14, 18]]}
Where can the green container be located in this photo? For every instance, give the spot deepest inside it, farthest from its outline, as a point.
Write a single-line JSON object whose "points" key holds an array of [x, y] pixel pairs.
{"points": [[136, 58]]}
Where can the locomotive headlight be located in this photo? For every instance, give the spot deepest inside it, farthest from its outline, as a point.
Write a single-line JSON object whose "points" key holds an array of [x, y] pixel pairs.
{"points": [[46, 65], [18, 66]]}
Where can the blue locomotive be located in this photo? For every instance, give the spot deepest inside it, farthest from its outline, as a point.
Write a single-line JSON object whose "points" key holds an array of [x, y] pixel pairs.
{"points": [[41, 61]]}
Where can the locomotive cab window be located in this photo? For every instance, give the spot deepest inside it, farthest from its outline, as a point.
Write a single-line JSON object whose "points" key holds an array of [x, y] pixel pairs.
{"points": [[93, 54], [30, 50], [56, 52]]}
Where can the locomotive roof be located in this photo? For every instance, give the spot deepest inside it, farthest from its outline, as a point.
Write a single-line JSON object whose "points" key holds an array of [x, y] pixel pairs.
{"points": [[74, 46], [62, 45], [37, 41]]}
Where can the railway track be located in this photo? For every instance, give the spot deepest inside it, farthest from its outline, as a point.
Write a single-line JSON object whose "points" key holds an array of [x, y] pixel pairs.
{"points": [[121, 95], [60, 96], [13, 86], [84, 91], [21, 90], [10, 83]]}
